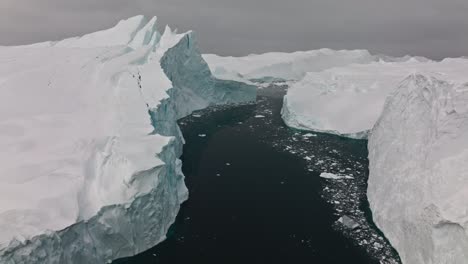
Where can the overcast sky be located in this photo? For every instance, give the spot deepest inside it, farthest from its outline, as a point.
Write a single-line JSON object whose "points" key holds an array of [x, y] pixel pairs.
{"points": [[431, 28]]}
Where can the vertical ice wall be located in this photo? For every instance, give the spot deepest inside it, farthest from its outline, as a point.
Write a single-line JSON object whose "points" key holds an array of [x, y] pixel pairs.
{"points": [[418, 182]]}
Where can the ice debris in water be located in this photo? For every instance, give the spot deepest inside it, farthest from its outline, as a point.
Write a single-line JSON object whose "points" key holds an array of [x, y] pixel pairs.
{"points": [[348, 222], [332, 176]]}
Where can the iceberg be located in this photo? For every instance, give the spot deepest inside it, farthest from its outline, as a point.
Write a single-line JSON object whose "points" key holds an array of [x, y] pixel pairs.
{"points": [[348, 100], [90, 145], [418, 182]]}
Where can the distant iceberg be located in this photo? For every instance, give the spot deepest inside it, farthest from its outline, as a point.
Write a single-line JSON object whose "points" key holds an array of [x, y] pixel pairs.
{"points": [[283, 66]]}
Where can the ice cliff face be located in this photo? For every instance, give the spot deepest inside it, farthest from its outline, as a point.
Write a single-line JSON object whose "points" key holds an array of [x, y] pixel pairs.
{"points": [[90, 145], [418, 183]]}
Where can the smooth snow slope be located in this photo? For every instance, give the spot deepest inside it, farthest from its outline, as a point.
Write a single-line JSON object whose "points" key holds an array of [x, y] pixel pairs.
{"points": [[285, 66], [418, 182], [349, 100], [89, 144]]}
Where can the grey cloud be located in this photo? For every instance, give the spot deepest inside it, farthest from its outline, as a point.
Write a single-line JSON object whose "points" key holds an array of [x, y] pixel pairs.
{"points": [[432, 28]]}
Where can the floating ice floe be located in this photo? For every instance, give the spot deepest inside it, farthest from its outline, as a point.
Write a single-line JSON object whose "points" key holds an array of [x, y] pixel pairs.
{"points": [[348, 222], [332, 176]]}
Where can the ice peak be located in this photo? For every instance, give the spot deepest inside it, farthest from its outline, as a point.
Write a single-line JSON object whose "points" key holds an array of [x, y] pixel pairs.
{"points": [[420, 79], [147, 35], [134, 32], [135, 21]]}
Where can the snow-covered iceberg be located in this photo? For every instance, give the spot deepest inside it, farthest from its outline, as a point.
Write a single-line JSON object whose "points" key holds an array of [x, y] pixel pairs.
{"points": [[283, 66], [348, 100], [89, 141], [418, 182]]}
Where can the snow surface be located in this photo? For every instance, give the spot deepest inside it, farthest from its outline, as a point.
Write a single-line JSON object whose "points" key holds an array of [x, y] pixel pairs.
{"points": [[283, 66], [90, 144], [418, 182], [349, 100]]}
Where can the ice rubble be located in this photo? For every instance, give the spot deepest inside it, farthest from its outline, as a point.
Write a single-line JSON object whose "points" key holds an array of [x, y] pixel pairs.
{"points": [[418, 183], [348, 100], [90, 169]]}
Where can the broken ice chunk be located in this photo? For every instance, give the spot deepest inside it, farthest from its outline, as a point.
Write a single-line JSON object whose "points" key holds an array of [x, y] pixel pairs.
{"points": [[332, 176], [348, 222]]}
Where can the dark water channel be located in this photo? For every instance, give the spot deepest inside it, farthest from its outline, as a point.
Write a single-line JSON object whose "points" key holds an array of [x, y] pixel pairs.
{"points": [[256, 195]]}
